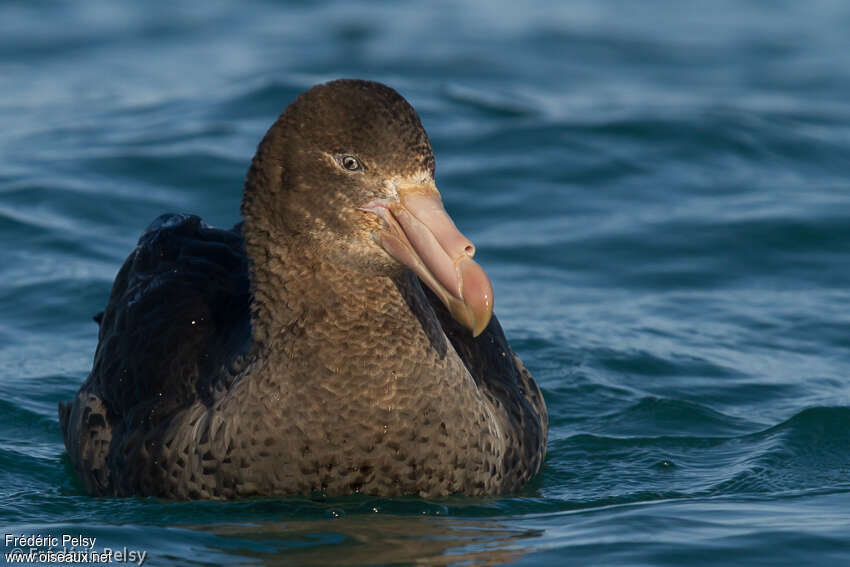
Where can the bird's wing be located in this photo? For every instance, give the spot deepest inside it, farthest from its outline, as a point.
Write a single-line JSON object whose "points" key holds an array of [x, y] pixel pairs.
{"points": [[177, 323], [176, 330]]}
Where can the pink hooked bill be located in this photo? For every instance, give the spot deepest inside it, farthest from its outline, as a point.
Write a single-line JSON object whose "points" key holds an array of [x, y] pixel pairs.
{"points": [[419, 233]]}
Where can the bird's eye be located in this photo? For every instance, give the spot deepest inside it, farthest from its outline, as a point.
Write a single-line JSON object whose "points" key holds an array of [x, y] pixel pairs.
{"points": [[350, 163]]}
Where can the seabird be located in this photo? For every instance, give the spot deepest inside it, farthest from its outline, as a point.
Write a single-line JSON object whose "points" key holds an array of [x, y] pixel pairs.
{"points": [[339, 340]]}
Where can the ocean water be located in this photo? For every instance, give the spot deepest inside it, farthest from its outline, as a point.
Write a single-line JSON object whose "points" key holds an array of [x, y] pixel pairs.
{"points": [[660, 192]]}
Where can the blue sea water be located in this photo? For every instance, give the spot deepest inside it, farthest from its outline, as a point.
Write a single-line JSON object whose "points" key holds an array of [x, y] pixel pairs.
{"points": [[659, 190]]}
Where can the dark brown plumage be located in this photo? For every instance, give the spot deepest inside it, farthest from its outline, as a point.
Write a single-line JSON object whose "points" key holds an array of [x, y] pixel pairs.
{"points": [[299, 352]]}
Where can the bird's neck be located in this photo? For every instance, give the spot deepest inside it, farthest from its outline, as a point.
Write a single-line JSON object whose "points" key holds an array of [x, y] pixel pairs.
{"points": [[313, 313]]}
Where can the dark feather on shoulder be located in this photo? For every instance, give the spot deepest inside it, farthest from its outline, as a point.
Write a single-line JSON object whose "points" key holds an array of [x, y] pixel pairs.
{"points": [[168, 331]]}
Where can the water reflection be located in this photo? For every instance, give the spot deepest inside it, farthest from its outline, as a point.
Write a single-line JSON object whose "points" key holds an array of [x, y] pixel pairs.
{"points": [[375, 540]]}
